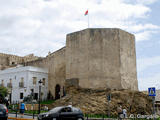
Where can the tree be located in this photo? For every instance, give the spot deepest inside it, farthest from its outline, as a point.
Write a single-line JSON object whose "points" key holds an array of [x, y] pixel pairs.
{"points": [[3, 93], [28, 99]]}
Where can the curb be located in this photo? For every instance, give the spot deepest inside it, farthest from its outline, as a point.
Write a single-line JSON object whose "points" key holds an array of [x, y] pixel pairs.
{"points": [[12, 118]]}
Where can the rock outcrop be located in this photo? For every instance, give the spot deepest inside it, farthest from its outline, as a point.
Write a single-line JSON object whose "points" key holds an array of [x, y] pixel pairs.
{"points": [[95, 101]]}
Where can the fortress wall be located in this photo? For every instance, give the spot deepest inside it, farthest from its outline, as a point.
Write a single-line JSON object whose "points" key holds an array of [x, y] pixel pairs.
{"points": [[9, 59], [3, 62], [55, 63], [104, 65], [77, 57], [30, 57], [95, 58], [41, 62], [14, 59], [57, 70], [128, 61], [92, 55]]}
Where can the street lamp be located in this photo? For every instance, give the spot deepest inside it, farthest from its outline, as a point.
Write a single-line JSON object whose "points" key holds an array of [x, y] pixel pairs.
{"points": [[39, 96]]}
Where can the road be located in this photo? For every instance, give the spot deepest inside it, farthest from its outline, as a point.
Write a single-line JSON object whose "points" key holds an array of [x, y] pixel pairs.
{"points": [[31, 117], [19, 116]]}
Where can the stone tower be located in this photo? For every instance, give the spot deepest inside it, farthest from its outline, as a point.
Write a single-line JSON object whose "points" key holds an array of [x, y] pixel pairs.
{"points": [[101, 58]]}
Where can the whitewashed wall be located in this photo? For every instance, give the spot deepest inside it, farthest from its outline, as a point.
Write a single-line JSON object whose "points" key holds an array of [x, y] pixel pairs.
{"points": [[27, 73]]}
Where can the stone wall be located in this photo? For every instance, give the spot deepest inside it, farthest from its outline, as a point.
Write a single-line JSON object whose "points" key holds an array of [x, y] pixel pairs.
{"points": [[41, 62], [55, 63], [97, 58], [128, 71], [10, 60], [57, 67], [3, 62], [102, 58]]}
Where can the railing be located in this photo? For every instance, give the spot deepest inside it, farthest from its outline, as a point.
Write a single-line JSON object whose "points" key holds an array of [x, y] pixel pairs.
{"points": [[21, 84], [9, 85]]}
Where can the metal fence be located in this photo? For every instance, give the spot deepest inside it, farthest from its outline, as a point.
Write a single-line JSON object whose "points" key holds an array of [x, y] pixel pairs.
{"points": [[32, 114]]}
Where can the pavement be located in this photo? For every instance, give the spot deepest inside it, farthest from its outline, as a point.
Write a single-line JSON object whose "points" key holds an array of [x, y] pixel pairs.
{"points": [[20, 117], [29, 117]]}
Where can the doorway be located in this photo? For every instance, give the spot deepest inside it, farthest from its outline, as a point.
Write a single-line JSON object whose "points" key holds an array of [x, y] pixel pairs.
{"points": [[57, 91]]}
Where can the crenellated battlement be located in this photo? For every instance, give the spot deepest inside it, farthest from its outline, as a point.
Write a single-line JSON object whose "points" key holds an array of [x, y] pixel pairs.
{"points": [[10, 60]]}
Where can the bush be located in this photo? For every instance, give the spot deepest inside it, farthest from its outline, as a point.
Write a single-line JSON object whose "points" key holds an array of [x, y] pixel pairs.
{"points": [[3, 94]]}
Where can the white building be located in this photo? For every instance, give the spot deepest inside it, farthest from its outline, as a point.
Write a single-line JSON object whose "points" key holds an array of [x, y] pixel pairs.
{"points": [[24, 80]]}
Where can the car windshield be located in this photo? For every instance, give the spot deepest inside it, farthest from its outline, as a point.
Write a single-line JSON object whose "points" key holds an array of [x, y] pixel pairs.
{"points": [[54, 110]]}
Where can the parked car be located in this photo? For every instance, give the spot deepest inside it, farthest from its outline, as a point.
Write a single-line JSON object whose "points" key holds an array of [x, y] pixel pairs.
{"points": [[3, 112], [62, 113]]}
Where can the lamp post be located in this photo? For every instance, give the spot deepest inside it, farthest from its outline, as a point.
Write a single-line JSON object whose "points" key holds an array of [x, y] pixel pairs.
{"points": [[39, 96], [11, 95]]}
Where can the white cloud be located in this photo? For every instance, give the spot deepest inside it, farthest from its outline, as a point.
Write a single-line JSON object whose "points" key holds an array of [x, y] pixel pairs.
{"points": [[147, 2], [153, 81], [146, 63], [33, 26], [142, 27], [145, 35]]}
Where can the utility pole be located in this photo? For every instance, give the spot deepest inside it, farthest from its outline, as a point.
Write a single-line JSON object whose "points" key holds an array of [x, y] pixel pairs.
{"points": [[152, 93], [153, 100]]}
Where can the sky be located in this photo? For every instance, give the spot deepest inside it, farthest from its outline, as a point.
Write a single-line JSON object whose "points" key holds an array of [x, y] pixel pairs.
{"points": [[40, 26]]}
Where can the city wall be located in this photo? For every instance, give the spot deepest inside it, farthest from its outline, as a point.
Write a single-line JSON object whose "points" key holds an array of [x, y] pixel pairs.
{"points": [[55, 63], [9, 60], [102, 58], [95, 58]]}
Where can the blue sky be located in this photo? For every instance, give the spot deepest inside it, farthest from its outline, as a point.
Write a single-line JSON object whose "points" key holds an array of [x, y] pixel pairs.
{"points": [[40, 26], [148, 55]]}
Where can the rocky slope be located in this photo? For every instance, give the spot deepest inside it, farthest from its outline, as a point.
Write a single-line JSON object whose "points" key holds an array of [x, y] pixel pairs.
{"points": [[95, 101]]}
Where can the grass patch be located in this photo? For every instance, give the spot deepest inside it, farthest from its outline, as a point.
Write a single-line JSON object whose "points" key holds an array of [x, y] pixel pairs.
{"points": [[48, 102]]}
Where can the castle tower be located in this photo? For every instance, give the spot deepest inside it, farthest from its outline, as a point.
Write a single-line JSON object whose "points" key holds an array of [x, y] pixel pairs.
{"points": [[102, 58]]}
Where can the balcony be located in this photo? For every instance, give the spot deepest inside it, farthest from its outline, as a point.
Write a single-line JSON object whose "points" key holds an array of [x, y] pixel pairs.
{"points": [[21, 84], [9, 85]]}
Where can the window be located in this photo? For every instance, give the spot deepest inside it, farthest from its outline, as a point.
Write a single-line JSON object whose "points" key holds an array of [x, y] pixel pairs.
{"points": [[2, 83], [9, 85], [10, 81], [66, 109], [21, 95], [34, 80], [21, 84], [32, 92], [35, 96], [43, 81], [22, 79]]}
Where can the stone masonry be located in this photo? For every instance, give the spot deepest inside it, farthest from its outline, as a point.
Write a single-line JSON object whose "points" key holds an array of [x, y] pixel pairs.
{"points": [[95, 58], [102, 58]]}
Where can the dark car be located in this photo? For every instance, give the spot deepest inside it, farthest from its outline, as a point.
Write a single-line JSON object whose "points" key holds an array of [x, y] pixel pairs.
{"points": [[62, 113], [3, 112]]}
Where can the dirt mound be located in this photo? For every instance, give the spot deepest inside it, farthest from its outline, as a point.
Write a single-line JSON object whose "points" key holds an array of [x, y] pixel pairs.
{"points": [[95, 101]]}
